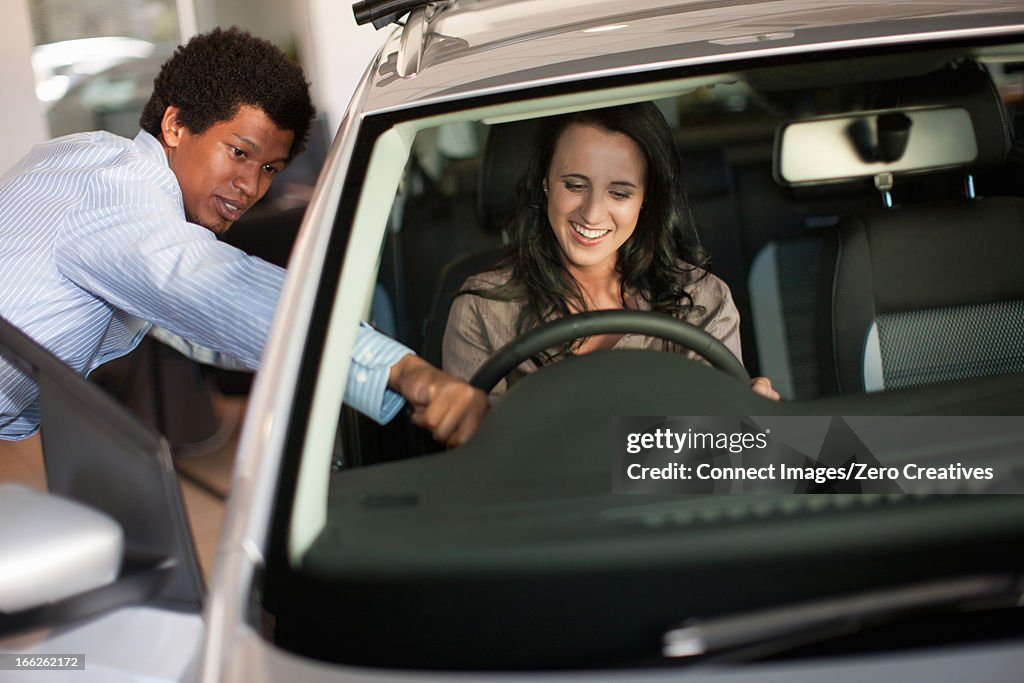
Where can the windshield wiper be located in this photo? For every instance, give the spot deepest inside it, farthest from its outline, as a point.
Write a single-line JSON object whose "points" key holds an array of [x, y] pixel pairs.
{"points": [[763, 632]]}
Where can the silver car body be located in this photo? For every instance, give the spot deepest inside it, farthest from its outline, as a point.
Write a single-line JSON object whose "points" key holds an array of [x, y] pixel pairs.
{"points": [[484, 48], [512, 49]]}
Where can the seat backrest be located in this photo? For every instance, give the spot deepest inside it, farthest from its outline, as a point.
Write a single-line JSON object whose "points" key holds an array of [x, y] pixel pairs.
{"points": [[506, 154], [918, 294], [925, 295]]}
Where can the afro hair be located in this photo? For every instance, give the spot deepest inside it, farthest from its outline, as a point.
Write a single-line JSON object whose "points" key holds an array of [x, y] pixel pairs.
{"points": [[212, 75]]}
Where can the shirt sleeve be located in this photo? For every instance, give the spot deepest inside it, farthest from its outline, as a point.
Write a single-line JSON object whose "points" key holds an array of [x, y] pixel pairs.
{"points": [[372, 359], [144, 258], [198, 353]]}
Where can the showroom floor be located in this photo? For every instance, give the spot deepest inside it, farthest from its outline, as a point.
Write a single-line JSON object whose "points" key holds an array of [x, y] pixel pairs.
{"points": [[205, 476]]}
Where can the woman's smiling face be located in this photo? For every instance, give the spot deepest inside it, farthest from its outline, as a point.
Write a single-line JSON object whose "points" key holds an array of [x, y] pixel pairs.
{"points": [[595, 188]]}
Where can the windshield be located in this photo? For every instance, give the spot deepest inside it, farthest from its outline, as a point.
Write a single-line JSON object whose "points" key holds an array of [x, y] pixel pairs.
{"points": [[569, 533]]}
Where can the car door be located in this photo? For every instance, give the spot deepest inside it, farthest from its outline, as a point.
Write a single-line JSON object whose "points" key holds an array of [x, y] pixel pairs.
{"points": [[143, 621]]}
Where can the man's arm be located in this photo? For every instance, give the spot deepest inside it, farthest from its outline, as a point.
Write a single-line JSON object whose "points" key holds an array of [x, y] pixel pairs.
{"points": [[156, 266], [383, 371]]}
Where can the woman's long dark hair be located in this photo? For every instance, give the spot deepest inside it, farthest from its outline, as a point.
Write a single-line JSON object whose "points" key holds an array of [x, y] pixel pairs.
{"points": [[649, 262]]}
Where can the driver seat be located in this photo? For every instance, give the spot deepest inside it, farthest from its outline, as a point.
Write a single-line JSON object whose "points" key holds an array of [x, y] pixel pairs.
{"points": [[505, 158]]}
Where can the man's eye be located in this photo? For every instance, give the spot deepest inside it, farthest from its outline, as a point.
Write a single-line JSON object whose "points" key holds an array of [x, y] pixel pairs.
{"points": [[238, 153], [267, 168]]}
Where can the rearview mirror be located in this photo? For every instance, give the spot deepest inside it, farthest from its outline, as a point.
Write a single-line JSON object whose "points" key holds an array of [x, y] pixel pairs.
{"points": [[845, 148]]}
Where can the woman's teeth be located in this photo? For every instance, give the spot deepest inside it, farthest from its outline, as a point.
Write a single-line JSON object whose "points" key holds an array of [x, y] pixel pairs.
{"points": [[589, 234]]}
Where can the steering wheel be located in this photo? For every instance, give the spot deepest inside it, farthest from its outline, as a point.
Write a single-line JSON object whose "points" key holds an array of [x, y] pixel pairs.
{"points": [[591, 323]]}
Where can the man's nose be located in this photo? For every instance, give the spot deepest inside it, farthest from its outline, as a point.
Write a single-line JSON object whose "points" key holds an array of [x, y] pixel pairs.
{"points": [[248, 179]]}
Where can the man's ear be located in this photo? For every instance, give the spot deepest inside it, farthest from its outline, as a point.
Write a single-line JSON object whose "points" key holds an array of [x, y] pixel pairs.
{"points": [[170, 128]]}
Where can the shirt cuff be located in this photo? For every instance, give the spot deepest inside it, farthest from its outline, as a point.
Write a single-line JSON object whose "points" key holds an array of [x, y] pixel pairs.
{"points": [[367, 387]]}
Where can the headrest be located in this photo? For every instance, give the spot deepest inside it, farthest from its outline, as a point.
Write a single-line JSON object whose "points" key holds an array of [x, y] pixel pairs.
{"points": [[506, 155], [951, 118], [966, 85]]}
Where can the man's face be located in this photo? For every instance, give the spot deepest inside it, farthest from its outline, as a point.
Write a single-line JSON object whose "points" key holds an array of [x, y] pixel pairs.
{"points": [[227, 168]]}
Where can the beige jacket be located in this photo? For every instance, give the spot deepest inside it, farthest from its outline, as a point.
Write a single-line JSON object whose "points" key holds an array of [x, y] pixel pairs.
{"points": [[477, 327]]}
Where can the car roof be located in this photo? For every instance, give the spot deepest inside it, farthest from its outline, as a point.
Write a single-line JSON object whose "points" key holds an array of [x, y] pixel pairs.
{"points": [[474, 47]]}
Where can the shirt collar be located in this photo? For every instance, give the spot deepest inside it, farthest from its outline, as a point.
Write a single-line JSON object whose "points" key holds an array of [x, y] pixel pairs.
{"points": [[151, 147]]}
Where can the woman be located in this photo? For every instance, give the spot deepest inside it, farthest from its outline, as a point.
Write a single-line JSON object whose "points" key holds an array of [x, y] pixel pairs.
{"points": [[603, 225]]}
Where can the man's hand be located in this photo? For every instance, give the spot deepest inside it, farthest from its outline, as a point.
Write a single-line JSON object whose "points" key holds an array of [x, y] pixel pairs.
{"points": [[448, 407], [763, 386]]}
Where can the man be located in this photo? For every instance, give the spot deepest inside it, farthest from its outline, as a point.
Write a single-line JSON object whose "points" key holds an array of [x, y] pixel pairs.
{"points": [[102, 237]]}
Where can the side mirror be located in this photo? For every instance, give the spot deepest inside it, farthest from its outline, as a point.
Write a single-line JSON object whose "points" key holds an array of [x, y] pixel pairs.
{"points": [[62, 561], [52, 548]]}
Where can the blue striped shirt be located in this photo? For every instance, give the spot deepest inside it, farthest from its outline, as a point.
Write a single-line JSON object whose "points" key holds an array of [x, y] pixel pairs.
{"points": [[95, 249]]}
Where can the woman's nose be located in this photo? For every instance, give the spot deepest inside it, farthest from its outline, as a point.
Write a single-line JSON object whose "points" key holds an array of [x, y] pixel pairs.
{"points": [[592, 209]]}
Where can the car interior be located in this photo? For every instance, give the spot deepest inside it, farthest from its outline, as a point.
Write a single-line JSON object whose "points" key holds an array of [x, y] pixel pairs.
{"points": [[893, 269], [882, 282]]}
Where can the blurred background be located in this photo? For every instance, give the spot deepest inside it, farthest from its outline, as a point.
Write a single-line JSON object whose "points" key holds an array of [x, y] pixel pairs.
{"points": [[72, 65]]}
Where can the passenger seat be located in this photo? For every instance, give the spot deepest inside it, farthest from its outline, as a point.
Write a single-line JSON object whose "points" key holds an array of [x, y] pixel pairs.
{"points": [[915, 295]]}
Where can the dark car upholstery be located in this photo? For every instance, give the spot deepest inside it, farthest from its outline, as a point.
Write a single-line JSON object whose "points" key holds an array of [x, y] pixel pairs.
{"points": [[919, 294]]}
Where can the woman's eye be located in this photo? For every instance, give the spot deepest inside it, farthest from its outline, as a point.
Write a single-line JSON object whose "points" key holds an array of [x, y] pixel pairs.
{"points": [[621, 195], [237, 153], [267, 168], [574, 187]]}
